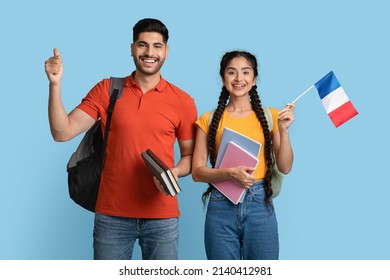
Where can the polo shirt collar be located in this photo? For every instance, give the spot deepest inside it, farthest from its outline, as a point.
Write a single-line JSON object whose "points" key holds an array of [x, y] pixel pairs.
{"points": [[129, 82]]}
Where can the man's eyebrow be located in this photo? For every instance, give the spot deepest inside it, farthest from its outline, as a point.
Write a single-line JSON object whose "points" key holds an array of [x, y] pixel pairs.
{"points": [[154, 43]]}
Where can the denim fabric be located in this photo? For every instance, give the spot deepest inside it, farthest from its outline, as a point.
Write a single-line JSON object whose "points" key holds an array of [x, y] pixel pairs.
{"points": [[114, 238], [246, 231]]}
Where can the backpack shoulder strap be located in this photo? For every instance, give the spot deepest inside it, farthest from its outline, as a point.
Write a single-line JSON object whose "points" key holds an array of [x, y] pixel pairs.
{"points": [[116, 83], [116, 88], [211, 116], [268, 116], [277, 176]]}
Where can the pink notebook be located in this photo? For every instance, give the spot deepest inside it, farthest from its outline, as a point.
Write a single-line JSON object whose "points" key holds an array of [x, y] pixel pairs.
{"points": [[235, 156]]}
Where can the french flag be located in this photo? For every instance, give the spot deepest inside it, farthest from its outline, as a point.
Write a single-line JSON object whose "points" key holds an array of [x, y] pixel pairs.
{"points": [[336, 102]]}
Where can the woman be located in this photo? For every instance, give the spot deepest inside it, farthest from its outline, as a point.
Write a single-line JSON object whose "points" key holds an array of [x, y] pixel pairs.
{"points": [[247, 230]]}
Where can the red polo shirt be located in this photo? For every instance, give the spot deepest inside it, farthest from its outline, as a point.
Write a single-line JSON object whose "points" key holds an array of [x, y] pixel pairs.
{"points": [[140, 121]]}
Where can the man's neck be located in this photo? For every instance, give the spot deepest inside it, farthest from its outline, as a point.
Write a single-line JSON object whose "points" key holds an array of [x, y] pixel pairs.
{"points": [[147, 82]]}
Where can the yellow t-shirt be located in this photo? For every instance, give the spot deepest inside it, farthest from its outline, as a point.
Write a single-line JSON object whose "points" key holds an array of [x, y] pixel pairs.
{"points": [[249, 126]]}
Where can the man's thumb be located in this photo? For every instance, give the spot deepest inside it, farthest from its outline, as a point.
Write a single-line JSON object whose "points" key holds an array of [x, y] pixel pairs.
{"points": [[56, 52]]}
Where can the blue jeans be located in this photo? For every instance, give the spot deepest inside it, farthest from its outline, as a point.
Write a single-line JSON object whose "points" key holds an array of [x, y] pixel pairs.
{"points": [[246, 231], [114, 238]]}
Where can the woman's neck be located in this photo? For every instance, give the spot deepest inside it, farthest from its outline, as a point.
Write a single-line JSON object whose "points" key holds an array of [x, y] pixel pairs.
{"points": [[239, 106]]}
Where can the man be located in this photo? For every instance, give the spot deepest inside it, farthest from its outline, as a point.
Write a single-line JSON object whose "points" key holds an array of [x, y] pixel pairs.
{"points": [[150, 114]]}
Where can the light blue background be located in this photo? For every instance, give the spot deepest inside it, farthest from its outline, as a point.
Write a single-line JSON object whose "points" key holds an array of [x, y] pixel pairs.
{"points": [[335, 202]]}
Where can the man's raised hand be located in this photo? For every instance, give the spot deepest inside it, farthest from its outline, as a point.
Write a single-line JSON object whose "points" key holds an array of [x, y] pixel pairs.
{"points": [[53, 67]]}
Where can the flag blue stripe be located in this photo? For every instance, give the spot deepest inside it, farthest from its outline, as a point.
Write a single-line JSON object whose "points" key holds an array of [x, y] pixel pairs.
{"points": [[327, 84]]}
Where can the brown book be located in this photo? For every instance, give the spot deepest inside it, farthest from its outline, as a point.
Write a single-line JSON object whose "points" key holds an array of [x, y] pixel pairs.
{"points": [[161, 171]]}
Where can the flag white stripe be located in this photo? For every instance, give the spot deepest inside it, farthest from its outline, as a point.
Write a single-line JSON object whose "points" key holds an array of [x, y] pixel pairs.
{"points": [[334, 99]]}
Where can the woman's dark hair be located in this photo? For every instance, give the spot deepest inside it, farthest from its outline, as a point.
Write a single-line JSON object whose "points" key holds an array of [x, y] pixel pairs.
{"points": [[257, 108], [150, 25]]}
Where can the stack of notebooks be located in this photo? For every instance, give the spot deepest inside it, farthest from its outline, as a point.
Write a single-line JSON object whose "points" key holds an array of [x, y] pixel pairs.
{"points": [[161, 171], [235, 149]]}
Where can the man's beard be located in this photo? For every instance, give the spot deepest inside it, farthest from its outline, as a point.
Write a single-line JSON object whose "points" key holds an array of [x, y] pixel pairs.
{"points": [[148, 71]]}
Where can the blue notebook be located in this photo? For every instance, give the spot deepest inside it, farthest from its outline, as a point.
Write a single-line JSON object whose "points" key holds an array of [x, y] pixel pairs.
{"points": [[251, 146]]}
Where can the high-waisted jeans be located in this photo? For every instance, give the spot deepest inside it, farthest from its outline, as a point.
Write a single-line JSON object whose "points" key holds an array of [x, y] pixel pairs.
{"points": [[247, 230]]}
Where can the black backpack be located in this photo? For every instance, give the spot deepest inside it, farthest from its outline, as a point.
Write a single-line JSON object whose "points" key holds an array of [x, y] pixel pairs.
{"points": [[86, 163]]}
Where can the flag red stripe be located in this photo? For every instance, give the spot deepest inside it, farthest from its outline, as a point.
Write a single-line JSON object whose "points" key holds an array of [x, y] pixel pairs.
{"points": [[342, 114]]}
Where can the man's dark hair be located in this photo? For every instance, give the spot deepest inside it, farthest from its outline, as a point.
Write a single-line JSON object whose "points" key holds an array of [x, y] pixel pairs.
{"points": [[150, 25]]}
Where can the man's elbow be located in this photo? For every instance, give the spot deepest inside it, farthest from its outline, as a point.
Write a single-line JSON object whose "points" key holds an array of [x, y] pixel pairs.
{"points": [[60, 137]]}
